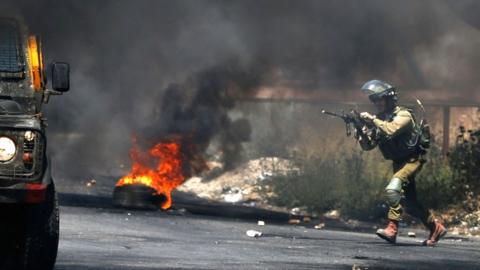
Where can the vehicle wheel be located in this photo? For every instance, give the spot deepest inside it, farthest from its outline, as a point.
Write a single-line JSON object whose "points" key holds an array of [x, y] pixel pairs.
{"points": [[11, 233], [41, 237]]}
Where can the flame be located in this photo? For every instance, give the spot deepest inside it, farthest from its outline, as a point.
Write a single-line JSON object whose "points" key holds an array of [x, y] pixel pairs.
{"points": [[164, 177]]}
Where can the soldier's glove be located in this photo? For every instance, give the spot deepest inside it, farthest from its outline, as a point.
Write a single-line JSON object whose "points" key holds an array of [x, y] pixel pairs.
{"points": [[367, 117]]}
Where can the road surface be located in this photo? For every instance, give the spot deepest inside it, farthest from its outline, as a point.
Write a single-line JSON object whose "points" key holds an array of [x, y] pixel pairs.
{"points": [[108, 238]]}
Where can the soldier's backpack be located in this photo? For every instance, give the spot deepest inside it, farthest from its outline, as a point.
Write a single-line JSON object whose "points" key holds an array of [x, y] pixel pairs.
{"points": [[421, 130], [424, 139]]}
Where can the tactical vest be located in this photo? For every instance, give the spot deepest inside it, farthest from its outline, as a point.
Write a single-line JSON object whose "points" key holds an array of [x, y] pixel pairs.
{"points": [[401, 146]]}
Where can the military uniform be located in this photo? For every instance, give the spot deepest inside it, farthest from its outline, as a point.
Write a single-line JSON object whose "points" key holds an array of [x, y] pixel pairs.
{"points": [[403, 141], [394, 135]]}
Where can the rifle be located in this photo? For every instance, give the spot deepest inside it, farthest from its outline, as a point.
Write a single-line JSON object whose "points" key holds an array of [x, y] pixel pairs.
{"points": [[351, 119]]}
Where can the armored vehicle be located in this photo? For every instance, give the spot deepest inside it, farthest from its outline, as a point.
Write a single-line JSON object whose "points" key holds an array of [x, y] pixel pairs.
{"points": [[29, 223]]}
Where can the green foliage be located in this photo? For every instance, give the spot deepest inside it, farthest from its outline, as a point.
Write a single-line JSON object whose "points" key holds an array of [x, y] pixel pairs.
{"points": [[465, 160], [352, 181], [364, 178], [349, 181], [455, 179], [436, 184]]}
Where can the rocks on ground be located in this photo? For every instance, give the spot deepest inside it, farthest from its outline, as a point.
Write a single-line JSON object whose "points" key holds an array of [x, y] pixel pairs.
{"points": [[243, 184]]}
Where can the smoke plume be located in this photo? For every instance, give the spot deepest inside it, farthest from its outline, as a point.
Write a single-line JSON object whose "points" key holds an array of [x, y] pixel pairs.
{"points": [[164, 67]]}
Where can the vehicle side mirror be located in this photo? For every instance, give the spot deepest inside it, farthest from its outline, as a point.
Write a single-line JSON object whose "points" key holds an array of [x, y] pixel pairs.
{"points": [[60, 76]]}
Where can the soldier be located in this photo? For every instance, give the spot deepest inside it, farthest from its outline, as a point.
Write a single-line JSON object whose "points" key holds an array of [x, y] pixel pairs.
{"points": [[396, 133]]}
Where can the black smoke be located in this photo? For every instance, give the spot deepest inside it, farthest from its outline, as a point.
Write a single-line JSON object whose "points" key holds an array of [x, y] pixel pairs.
{"points": [[163, 67], [203, 115]]}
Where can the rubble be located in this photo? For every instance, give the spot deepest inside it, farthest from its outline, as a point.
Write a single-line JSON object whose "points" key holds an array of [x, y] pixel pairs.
{"points": [[242, 184], [462, 222], [233, 195]]}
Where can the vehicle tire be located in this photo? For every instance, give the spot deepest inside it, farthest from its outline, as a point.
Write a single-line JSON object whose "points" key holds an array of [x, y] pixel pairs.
{"points": [[40, 244], [11, 233]]}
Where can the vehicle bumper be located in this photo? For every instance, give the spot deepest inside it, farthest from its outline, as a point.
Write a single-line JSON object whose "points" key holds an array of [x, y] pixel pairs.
{"points": [[24, 193], [29, 193]]}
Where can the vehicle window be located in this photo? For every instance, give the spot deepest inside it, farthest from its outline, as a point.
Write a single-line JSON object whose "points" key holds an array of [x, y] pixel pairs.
{"points": [[11, 62]]}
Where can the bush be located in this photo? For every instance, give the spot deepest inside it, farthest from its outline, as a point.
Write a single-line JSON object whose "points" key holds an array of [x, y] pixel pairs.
{"points": [[349, 181], [352, 181], [465, 159], [435, 184]]}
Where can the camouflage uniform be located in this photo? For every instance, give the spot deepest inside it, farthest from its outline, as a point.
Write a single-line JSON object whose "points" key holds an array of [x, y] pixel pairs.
{"points": [[392, 135]]}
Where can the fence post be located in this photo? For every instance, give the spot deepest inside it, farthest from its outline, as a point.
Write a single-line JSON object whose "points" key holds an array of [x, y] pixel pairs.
{"points": [[446, 130]]}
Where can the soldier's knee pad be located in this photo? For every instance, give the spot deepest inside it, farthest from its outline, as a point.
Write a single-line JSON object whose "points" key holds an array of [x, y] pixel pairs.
{"points": [[393, 192]]}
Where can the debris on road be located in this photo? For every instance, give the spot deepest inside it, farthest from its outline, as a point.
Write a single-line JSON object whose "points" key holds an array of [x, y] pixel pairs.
{"points": [[319, 226], [253, 233], [261, 223], [242, 184], [411, 234], [294, 221], [232, 195]]}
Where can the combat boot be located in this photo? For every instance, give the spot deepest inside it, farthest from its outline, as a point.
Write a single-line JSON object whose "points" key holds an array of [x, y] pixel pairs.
{"points": [[437, 231], [390, 232]]}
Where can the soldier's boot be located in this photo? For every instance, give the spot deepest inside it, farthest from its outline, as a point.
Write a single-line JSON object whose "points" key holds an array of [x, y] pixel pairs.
{"points": [[390, 232], [437, 231]]}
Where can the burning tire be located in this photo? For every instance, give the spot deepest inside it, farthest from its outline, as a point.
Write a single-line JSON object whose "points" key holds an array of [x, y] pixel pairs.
{"points": [[154, 175], [137, 196], [32, 234]]}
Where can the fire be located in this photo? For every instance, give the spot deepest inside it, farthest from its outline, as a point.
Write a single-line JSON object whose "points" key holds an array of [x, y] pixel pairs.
{"points": [[164, 175]]}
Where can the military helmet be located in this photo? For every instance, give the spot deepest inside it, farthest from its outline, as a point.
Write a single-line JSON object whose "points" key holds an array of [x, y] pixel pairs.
{"points": [[376, 89]]}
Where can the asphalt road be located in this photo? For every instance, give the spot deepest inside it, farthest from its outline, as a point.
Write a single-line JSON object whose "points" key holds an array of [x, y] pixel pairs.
{"points": [[109, 238]]}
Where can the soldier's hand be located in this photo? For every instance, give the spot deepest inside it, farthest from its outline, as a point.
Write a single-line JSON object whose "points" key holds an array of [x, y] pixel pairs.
{"points": [[367, 116]]}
